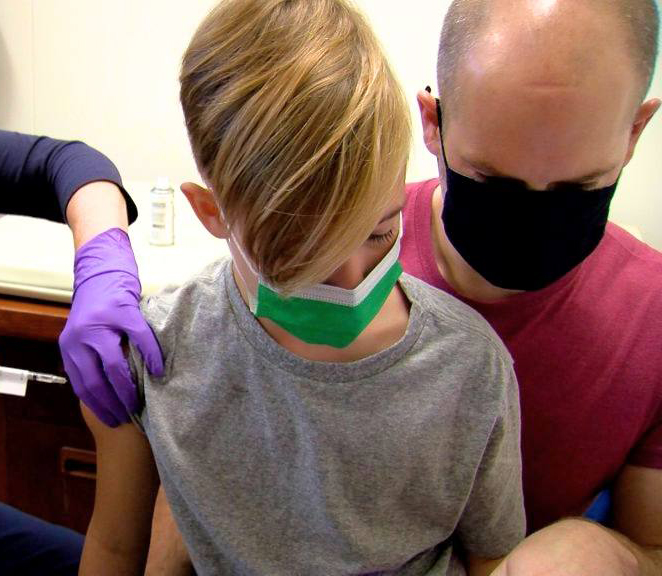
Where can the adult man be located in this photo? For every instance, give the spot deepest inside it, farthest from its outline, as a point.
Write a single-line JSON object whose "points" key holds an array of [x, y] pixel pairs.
{"points": [[542, 106], [69, 181]]}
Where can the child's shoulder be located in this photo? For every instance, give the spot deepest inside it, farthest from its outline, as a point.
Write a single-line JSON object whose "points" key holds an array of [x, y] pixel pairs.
{"points": [[175, 307], [450, 316]]}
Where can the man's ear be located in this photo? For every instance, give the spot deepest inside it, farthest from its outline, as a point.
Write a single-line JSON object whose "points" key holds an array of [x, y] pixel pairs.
{"points": [[428, 108], [646, 111], [204, 205]]}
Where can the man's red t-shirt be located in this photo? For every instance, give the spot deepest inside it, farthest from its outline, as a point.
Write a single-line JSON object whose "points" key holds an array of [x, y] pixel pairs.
{"points": [[588, 357]]}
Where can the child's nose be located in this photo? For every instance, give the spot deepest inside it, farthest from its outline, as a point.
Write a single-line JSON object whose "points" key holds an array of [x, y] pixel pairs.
{"points": [[349, 275]]}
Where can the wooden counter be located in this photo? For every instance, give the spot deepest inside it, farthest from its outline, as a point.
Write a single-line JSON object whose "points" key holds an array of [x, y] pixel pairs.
{"points": [[31, 320]]}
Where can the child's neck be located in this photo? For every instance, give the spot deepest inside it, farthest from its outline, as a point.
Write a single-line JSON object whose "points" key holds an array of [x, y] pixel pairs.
{"points": [[387, 328]]}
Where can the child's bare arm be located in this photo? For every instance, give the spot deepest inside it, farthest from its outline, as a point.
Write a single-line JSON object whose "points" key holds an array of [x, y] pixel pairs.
{"points": [[117, 539], [167, 551]]}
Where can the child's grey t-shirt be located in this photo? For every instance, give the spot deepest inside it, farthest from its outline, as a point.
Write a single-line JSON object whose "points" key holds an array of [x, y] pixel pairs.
{"points": [[276, 465]]}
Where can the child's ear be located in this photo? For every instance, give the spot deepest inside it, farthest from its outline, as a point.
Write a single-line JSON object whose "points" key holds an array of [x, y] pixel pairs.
{"points": [[204, 205]]}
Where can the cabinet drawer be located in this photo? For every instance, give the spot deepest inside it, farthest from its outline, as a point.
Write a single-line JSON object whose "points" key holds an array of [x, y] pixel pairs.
{"points": [[78, 470]]}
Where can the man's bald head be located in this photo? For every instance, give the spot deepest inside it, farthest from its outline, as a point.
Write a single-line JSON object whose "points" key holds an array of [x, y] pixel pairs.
{"points": [[548, 34]]}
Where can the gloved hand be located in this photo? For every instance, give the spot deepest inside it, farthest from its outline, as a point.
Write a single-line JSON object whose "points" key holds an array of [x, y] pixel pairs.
{"points": [[105, 306]]}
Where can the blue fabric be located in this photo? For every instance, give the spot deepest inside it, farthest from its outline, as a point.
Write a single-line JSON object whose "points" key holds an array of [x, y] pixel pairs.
{"points": [[32, 547], [39, 175], [600, 509]]}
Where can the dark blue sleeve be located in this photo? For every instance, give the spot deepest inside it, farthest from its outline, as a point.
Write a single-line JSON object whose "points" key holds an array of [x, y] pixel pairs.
{"points": [[39, 175]]}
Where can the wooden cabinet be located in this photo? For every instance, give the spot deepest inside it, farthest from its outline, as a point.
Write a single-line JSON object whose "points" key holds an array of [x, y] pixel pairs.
{"points": [[47, 460]]}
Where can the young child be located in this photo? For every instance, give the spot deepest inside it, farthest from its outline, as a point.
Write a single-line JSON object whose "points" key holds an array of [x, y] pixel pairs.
{"points": [[321, 413]]}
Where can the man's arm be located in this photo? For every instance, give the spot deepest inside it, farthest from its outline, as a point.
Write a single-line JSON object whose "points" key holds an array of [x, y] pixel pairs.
{"points": [[638, 515], [117, 539], [578, 547]]}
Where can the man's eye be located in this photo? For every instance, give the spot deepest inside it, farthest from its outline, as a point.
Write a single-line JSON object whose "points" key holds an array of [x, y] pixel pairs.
{"points": [[379, 238], [582, 186]]}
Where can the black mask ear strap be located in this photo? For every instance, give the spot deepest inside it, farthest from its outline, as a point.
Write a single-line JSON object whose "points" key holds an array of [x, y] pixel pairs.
{"points": [[440, 124]]}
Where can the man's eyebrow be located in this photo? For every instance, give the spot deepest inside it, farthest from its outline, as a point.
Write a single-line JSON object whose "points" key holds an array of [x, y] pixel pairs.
{"points": [[391, 214], [487, 169], [490, 171], [590, 176]]}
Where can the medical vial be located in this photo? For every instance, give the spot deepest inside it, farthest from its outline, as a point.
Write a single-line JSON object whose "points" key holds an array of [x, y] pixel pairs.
{"points": [[162, 213]]}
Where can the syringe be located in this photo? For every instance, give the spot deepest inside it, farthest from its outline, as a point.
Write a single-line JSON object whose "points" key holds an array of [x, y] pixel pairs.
{"points": [[46, 378]]}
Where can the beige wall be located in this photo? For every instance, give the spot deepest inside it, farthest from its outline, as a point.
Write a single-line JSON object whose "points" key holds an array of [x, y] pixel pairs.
{"points": [[105, 71]]}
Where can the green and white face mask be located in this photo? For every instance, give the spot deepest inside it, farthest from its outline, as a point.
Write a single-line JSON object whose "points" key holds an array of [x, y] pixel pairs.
{"points": [[322, 314]]}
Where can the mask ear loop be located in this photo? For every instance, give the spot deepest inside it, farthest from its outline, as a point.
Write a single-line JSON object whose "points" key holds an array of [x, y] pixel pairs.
{"points": [[237, 250], [441, 126]]}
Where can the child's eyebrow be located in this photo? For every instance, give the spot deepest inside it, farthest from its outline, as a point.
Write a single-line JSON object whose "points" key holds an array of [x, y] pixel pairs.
{"points": [[392, 214]]}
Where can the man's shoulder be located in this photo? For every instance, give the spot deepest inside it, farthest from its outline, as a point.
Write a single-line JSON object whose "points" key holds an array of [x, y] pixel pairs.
{"points": [[624, 245], [418, 195], [417, 255], [450, 316], [414, 188], [627, 266]]}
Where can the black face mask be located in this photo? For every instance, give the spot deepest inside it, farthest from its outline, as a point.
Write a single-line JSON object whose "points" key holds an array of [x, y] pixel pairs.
{"points": [[517, 238]]}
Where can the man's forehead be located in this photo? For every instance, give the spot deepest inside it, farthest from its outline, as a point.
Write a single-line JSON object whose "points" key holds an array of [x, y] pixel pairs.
{"points": [[538, 133], [563, 55], [510, 89]]}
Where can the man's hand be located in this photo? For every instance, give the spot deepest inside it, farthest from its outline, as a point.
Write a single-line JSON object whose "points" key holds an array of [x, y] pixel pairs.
{"points": [[572, 547], [105, 307]]}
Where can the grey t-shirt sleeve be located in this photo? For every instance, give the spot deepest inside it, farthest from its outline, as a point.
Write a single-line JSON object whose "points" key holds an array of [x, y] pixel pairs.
{"points": [[493, 521], [155, 310], [136, 368]]}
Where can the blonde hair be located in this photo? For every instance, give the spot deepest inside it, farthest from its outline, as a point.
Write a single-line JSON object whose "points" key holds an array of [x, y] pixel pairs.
{"points": [[300, 128]]}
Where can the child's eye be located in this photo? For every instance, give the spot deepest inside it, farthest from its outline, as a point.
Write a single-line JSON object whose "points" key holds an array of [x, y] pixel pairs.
{"points": [[379, 238]]}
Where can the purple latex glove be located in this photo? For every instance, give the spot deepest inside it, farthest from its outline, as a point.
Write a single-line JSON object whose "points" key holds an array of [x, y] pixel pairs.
{"points": [[104, 308]]}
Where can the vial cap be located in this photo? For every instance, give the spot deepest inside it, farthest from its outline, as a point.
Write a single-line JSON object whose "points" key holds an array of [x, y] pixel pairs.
{"points": [[162, 183]]}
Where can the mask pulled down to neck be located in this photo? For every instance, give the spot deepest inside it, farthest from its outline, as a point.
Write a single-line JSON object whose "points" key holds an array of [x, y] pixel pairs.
{"points": [[517, 238], [320, 314]]}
